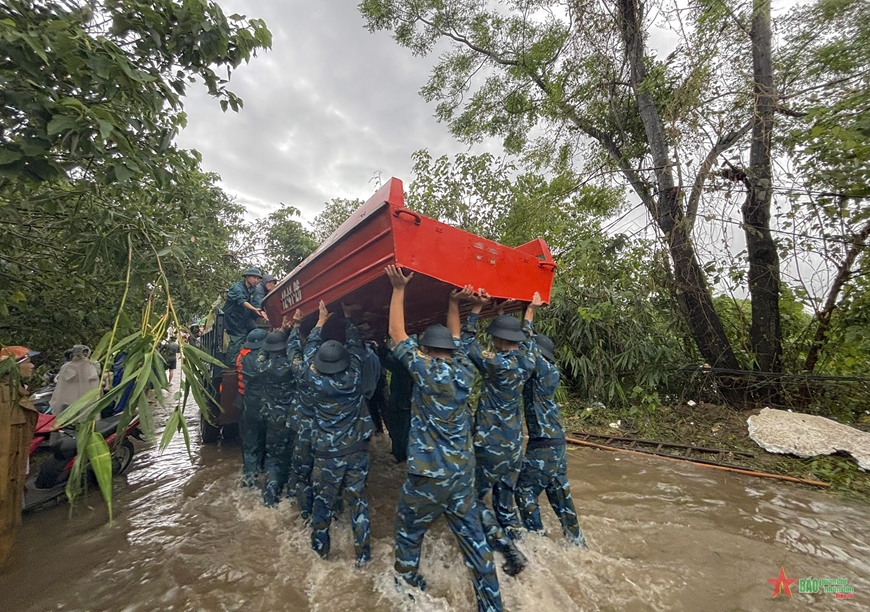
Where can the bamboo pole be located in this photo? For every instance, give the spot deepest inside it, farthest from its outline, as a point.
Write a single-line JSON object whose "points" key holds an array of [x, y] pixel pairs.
{"points": [[816, 483]]}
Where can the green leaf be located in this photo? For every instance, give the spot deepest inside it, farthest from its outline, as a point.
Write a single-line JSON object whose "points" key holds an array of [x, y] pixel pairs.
{"points": [[105, 129], [7, 156], [100, 458], [60, 123]]}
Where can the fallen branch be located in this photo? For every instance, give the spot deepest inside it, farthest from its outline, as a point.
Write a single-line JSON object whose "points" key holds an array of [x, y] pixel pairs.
{"points": [[816, 483]]}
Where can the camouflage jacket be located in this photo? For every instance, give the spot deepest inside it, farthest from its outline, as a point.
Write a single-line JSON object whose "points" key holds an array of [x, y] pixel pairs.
{"points": [[498, 420], [237, 318], [341, 421], [279, 403], [543, 418], [252, 370], [439, 443]]}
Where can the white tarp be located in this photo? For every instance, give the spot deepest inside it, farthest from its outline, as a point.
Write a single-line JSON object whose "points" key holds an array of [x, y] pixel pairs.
{"points": [[805, 435]]}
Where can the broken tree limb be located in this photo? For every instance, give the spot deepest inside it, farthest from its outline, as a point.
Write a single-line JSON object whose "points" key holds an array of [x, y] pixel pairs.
{"points": [[815, 483]]}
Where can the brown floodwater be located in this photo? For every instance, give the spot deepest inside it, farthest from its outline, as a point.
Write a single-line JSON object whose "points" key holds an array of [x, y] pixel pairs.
{"points": [[663, 536]]}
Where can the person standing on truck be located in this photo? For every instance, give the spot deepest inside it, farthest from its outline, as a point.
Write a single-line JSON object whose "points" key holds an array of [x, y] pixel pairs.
{"points": [[240, 311], [545, 464], [330, 381], [251, 394], [498, 425], [440, 478], [265, 286], [278, 404]]}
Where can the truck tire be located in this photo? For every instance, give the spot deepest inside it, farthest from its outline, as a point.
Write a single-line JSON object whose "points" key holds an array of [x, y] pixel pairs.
{"points": [[210, 433]]}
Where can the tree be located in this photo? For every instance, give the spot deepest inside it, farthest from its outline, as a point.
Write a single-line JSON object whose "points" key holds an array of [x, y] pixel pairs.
{"points": [[285, 241], [579, 74], [337, 211], [105, 217]]}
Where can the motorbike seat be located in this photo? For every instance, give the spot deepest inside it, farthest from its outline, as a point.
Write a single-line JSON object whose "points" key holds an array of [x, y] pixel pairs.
{"points": [[106, 427]]}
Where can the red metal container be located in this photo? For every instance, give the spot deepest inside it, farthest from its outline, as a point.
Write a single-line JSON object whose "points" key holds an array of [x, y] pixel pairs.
{"points": [[349, 267]]}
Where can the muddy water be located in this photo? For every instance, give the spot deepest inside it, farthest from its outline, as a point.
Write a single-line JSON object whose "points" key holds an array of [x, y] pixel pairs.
{"points": [[664, 536]]}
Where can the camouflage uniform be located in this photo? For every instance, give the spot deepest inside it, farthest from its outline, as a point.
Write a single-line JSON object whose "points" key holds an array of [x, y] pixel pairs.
{"points": [[498, 429], [545, 464], [397, 415], [252, 425], [342, 428], [238, 320], [278, 407], [439, 480], [302, 422]]}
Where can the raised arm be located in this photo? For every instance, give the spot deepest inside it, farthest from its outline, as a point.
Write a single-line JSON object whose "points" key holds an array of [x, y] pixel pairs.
{"points": [[397, 303], [453, 322], [469, 331], [536, 303]]}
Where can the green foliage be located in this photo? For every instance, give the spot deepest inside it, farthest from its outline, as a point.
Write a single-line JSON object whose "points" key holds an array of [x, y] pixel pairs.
{"points": [[101, 214], [285, 241], [94, 89], [336, 212], [618, 338]]}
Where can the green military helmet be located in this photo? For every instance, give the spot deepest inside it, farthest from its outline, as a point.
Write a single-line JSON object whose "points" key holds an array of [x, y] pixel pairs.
{"points": [[507, 328], [255, 339], [253, 272], [276, 342], [439, 337], [546, 346], [331, 358]]}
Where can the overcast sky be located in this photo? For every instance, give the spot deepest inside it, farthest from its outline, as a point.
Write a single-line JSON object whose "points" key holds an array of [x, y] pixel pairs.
{"points": [[325, 109]]}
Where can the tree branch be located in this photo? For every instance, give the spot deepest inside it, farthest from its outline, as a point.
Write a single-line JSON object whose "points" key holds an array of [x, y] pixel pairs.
{"points": [[724, 143]]}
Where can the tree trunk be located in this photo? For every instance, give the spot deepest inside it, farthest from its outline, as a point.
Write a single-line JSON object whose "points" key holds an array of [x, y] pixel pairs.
{"points": [[704, 323], [765, 333], [844, 271]]}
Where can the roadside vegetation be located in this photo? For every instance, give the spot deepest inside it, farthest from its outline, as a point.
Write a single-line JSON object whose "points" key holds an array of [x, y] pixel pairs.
{"points": [[745, 149]]}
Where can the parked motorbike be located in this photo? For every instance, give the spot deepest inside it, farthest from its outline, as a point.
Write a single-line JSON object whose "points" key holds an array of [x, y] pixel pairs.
{"points": [[50, 482]]}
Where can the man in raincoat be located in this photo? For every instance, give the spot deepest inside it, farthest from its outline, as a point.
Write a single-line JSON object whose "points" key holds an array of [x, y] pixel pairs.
{"points": [[251, 423], [240, 311]]}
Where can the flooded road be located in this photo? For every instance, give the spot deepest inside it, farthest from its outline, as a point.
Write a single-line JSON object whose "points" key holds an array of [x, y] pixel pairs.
{"points": [[663, 536]]}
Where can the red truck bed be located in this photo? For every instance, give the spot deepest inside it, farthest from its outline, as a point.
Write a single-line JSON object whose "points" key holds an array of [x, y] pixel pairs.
{"points": [[349, 267]]}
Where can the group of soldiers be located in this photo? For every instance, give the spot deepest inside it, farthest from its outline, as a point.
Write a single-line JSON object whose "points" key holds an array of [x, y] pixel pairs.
{"points": [[309, 403]]}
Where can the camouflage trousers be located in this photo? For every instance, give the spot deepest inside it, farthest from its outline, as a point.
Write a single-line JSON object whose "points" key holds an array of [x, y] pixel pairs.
{"points": [[330, 476], [421, 501], [545, 469], [253, 430], [496, 469], [279, 453], [302, 463]]}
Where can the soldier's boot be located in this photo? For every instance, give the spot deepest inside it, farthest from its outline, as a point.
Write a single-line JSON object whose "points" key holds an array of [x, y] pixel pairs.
{"points": [[270, 494], [414, 579], [580, 542], [515, 561]]}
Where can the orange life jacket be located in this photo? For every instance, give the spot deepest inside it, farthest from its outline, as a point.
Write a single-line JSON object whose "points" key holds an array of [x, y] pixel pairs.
{"points": [[242, 353]]}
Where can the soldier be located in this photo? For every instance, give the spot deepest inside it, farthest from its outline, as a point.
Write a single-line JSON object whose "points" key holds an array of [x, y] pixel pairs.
{"points": [[302, 461], [397, 415], [240, 311], [251, 424], [277, 409], [330, 381], [545, 463], [440, 456], [498, 426]]}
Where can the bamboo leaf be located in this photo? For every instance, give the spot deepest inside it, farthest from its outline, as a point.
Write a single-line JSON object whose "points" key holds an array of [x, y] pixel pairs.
{"points": [[100, 458]]}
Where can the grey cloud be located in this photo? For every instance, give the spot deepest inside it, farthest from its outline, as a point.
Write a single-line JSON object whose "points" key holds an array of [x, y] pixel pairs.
{"points": [[328, 107]]}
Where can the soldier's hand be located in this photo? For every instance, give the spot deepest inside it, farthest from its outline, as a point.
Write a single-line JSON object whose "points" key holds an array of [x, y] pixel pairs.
{"points": [[323, 313], [536, 302], [297, 317], [465, 294], [481, 297], [397, 279], [501, 306]]}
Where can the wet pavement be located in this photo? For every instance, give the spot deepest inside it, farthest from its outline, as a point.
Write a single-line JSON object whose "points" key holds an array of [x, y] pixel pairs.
{"points": [[663, 536]]}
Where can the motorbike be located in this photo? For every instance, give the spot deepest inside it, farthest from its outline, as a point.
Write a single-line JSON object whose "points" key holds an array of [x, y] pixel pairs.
{"points": [[50, 481]]}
